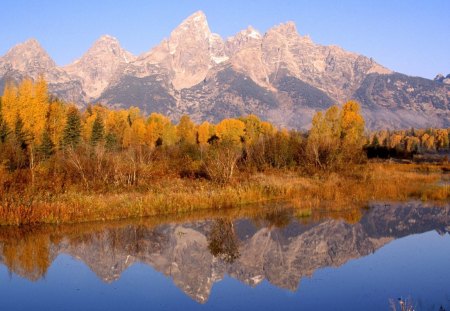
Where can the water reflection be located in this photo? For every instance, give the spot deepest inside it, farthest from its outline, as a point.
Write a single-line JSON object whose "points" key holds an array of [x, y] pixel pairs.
{"points": [[197, 251]]}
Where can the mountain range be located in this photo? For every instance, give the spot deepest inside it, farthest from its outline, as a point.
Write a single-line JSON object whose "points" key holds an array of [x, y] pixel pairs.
{"points": [[280, 76]]}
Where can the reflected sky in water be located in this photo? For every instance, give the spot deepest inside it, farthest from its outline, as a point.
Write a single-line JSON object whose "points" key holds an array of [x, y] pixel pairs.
{"points": [[240, 261]]}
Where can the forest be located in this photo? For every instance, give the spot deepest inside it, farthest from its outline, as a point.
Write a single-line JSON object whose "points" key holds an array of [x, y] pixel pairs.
{"points": [[62, 164]]}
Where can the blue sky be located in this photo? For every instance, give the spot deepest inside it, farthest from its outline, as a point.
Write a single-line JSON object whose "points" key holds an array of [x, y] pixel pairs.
{"points": [[408, 36]]}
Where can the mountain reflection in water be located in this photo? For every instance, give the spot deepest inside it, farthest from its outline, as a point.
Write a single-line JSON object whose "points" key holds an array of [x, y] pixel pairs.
{"points": [[269, 244]]}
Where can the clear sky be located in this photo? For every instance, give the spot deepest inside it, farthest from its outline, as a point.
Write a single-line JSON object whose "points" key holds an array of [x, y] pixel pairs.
{"points": [[408, 36]]}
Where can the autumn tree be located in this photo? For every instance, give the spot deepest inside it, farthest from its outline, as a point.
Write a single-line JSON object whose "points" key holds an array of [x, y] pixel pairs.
{"points": [[9, 104], [186, 131], [160, 131], [56, 120], [324, 140], [4, 130], [231, 130], [336, 138], [352, 130], [442, 139]]}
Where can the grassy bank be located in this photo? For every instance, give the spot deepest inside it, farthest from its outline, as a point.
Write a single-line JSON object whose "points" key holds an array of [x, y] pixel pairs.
{"points": [[174, 195]]}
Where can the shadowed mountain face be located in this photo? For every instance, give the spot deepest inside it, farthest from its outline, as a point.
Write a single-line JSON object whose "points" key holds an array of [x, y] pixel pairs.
{"points": [[196, 254], [281, 76]]}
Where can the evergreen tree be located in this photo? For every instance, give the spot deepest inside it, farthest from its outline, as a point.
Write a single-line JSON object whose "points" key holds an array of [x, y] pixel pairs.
{"points": [[72, 131], [98, 131], [19, 134], [111, 142], [47, 147]]}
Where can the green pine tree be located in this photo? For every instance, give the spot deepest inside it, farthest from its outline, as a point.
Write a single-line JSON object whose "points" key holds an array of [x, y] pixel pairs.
{"points": [[111, 142], [19, 134], [72, 131], [47, 147], [98, 131]]}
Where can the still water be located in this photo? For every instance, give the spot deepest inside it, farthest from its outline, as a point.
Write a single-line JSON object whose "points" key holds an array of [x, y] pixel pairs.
{"points": [[263, 259]]}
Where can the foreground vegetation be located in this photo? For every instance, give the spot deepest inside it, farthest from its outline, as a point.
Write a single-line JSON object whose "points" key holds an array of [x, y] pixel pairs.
{"points": [[60, 165]]}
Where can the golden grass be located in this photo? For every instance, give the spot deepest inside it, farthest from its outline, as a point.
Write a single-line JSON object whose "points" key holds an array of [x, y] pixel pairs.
{"points": [[338, 192]]}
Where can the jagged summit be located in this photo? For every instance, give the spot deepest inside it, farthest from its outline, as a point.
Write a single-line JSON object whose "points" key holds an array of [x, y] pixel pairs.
{"points": [[28, 55], [197, 18], [252, 33], [196, 22], [98, 66], [287, 29]]}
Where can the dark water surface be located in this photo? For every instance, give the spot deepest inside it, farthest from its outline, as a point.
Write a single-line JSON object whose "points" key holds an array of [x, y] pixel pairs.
{"points": [[263, 259]]}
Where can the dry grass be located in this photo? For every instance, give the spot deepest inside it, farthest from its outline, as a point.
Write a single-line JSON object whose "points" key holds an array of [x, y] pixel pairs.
{"points": [[172, 195], [374, 182]]}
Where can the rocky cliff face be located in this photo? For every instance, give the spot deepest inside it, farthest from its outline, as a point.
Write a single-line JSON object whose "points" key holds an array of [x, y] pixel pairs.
{"points": [[443, 79], [98, 67], [281, 76], [184, 252]]}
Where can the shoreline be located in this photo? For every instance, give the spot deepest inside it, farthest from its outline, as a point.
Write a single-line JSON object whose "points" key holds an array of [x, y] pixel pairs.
{"points": [[371, 182]]}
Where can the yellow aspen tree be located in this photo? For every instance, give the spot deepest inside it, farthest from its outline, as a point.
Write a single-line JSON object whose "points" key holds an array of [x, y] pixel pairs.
{"points": [[267, 128], [139, 132], [352, 125], [56, 121], [133, 114], [9, 104], [442, 140], [160, 130], [252, 128], [127, 137], [412, 143], [204, 132], [32, 106], [88, 121], [116, 124], [395, 141], [231, 130], [186, 130], [427, 141]]}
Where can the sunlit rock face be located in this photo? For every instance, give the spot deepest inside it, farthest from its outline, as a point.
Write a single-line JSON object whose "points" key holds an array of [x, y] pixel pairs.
{"points": [[100, 65], [280, 76], [197, 254]]}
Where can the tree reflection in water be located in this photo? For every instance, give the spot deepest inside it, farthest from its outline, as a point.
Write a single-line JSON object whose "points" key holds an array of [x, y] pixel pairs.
{"points": [[251, 244], [223, 241]]}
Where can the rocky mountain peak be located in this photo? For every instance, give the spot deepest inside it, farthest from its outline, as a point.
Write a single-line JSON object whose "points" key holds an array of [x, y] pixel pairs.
{"points": [[193, 51], [97, 67], [251, 32], [108, 46], [28, 56], [195, 24], [287, 29], [245, 38]]}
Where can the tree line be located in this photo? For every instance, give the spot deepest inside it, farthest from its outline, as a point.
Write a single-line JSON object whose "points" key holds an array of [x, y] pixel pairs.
{"points": [[407, 143], [45, 142]]}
